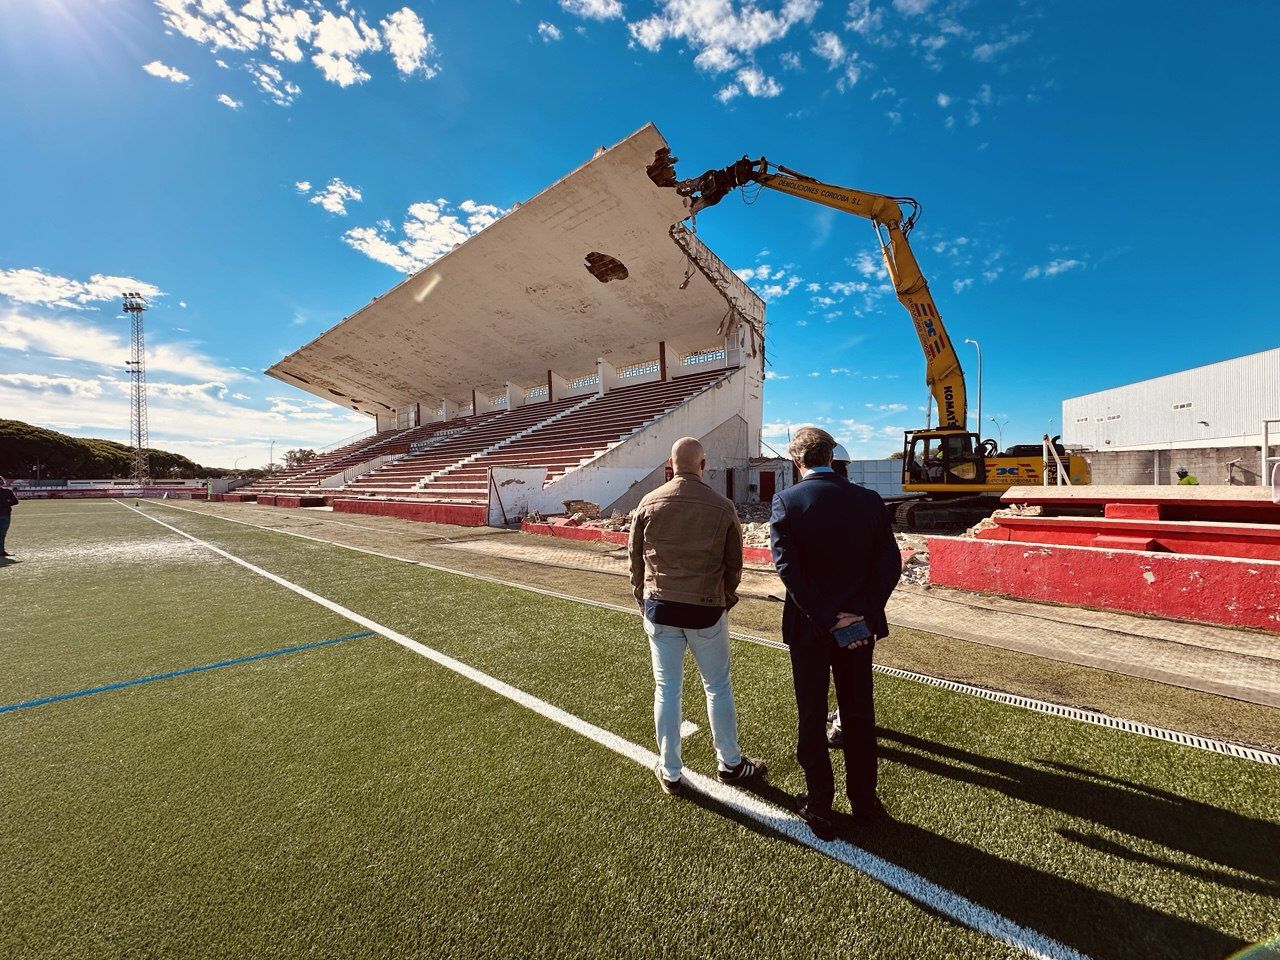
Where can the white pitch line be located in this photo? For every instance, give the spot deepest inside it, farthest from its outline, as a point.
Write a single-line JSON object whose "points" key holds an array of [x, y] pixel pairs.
{"points": [[905, 882]]}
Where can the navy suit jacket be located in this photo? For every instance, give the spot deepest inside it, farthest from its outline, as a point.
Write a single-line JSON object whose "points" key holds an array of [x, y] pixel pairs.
{"points": [[834, 549]]}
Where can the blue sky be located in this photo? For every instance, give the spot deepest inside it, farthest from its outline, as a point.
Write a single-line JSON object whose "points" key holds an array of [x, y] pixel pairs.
{"points": [[1097, 182]]}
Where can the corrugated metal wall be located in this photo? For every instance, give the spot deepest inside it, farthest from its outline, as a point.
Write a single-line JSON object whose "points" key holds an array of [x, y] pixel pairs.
{"points": [[1215, 405], [882, 476]]}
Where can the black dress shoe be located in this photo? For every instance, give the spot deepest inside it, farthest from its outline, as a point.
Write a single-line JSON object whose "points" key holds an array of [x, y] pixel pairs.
{"points": [[870, 814], [819, 823]]}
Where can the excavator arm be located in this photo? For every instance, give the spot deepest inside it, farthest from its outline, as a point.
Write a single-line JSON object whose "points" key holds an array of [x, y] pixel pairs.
{"points": [[942, 366]]}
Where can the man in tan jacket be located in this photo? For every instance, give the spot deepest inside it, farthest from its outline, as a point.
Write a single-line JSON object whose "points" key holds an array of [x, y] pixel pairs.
{"points": [[686, 562]]}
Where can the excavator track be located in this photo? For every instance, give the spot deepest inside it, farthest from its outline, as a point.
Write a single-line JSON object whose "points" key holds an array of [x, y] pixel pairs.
{"points": [[942, 516]]}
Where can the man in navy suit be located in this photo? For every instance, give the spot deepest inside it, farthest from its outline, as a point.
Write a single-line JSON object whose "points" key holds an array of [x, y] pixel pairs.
{"points": [[834, 549]]}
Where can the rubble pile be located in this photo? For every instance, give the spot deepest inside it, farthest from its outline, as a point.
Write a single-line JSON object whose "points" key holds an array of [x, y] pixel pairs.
{"points": [[755, 532], [989, 523], [917, 568]]}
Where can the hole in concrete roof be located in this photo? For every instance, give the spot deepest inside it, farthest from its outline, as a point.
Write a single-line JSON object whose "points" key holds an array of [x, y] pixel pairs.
{"points": [[604, 267]]}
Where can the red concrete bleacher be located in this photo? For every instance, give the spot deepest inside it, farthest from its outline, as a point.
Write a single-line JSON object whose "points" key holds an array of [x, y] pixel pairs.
{"points": [[1192, 553], [576, 438], [401, 478]]}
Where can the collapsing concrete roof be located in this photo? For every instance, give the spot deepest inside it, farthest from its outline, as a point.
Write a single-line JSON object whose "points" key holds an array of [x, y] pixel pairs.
{"points": [[587, 269]]}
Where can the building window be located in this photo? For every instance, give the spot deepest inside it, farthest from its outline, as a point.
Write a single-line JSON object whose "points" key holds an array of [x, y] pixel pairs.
{"points": [[500, 401], [1097, 419], [584, 381], [707, 356], [1114, 416], [638, 369], [1182, 406], [536, 393], [1082, 419]]}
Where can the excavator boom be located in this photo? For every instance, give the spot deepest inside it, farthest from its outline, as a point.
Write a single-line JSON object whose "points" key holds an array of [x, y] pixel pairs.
{"points": [[942, 366]]}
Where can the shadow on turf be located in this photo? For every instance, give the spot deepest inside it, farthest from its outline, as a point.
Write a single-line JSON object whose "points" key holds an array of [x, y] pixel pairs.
{"points": [[1093, 921], [1148, 813]]}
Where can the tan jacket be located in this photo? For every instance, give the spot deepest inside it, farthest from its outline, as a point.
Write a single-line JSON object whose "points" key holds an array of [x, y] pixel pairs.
{"points": [[686, 545]]}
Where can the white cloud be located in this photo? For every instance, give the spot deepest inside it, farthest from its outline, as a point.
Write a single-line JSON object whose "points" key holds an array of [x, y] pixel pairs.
{"points": [[1052, 268], [227, 101], [62, 386], [340, 41], [846, 288], [199, 420], [869, 266], [756, 83], [158, 69], [828, 46], [959, 286], [722, 32], [790, 60], [728, 92], [912, 8], [771, 284], [987, 52], [90, 343], [548, 32], [593, 9], [410, 44], [944, 100], [334, 196], [331, 33], [271, 81], [770, 375], [33, 285], [431, 229]]}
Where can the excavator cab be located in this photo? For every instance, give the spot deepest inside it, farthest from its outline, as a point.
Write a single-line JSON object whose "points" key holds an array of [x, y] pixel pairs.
{"points": [[943, 461]]}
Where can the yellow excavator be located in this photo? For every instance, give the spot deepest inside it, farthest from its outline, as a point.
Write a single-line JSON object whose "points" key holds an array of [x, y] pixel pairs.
{"points": [[954, 473]]}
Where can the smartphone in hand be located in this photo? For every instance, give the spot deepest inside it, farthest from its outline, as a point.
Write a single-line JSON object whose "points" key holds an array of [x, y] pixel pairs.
{"points": [[854, 634]]}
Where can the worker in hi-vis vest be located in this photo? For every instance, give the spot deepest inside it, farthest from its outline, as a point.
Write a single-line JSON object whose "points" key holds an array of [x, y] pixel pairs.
{"points": [[1187, 479]]}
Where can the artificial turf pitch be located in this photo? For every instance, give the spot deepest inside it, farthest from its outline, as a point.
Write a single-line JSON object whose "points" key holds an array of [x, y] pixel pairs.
{"points": [[355, 799]]}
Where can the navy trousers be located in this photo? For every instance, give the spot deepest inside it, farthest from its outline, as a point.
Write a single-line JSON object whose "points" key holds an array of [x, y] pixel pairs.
{"points": [[813, 665], [4, 528]]}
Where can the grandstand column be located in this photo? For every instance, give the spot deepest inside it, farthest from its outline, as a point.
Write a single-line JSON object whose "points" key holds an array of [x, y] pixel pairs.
{"points": [[515, 395], [608, 375], [662, 360], [449, 409], [429, 411], [733, 351], [557, 386], [386, 421], [481, 402]]}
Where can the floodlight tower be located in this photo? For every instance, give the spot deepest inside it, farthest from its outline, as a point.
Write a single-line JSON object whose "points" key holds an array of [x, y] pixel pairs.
{"points": [[134, 305]]}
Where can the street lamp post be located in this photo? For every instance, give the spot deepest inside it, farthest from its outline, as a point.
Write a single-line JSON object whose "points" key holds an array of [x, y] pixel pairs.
{"points": [[271, 457], [999, 430], [977, 346]]}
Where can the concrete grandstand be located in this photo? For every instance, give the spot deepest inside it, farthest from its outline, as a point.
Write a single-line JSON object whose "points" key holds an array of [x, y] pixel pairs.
{"points": [[554, 356]]}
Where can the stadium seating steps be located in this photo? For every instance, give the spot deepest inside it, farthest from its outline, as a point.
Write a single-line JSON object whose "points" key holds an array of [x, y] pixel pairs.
{"points": [[449, 462]]}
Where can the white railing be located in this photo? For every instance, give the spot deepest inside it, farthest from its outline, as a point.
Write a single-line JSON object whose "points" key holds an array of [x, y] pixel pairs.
{"points": [[358, 470], [1062, 475], [1270, 464]]}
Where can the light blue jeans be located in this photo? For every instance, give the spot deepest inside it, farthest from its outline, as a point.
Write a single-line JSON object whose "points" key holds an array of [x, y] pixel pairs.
{"points": [[711, 652]]}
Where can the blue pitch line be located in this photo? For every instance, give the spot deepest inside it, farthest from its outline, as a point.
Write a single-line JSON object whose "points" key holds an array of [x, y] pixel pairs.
{"points": [[89, 691]]}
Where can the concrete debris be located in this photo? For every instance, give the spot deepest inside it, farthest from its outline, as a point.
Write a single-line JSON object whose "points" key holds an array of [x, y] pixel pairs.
{"points": [[989, 523], [587, 509]]}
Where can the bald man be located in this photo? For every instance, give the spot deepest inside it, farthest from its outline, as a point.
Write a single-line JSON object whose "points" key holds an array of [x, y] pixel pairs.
{"points": [[686, 562]]}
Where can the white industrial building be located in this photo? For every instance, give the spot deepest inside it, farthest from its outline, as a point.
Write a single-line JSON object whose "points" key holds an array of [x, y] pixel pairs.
{"points": [[1217, 405], [1212, 415]]}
